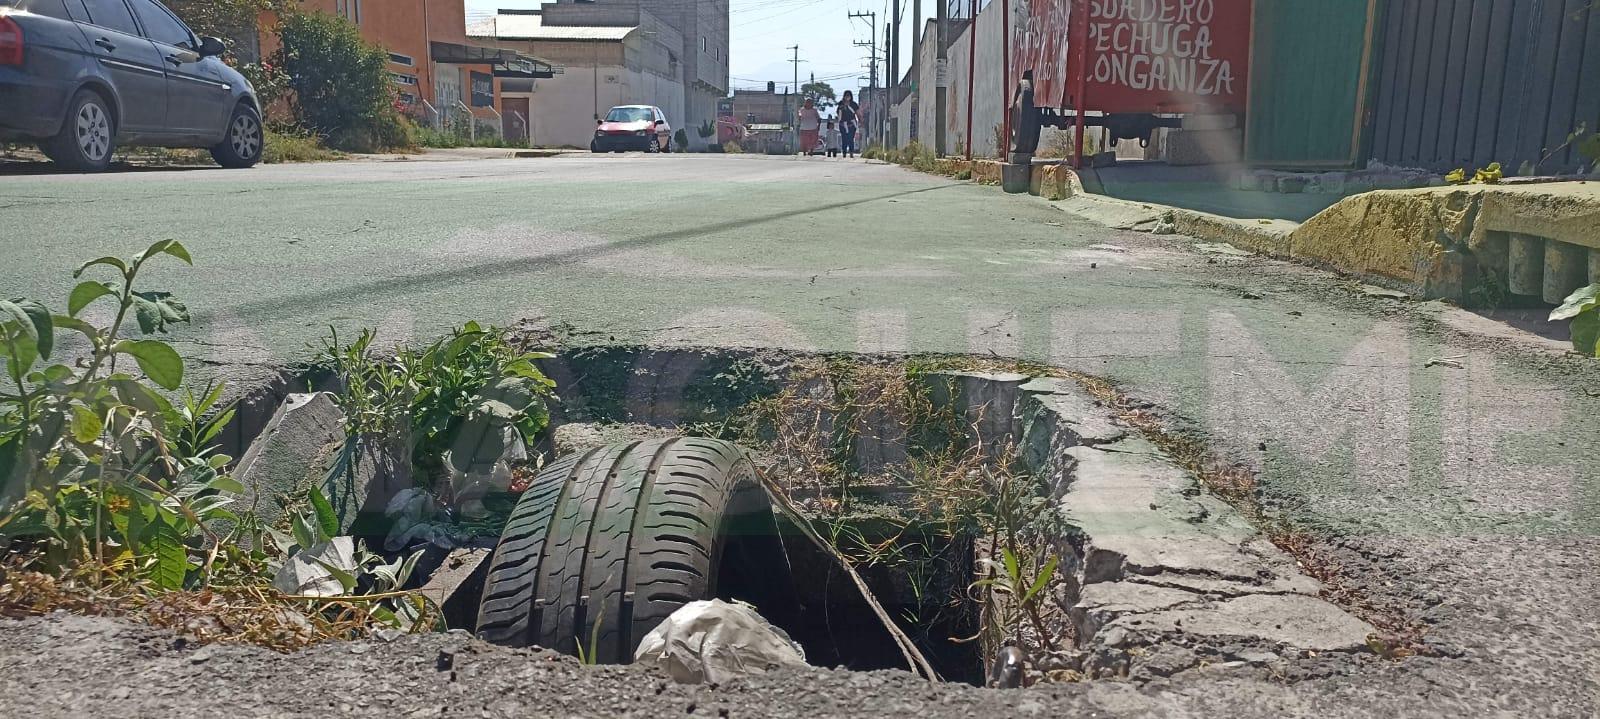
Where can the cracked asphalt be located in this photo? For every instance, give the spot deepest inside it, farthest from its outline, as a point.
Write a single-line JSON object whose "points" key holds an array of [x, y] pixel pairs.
{"points": [[1449, 462]]}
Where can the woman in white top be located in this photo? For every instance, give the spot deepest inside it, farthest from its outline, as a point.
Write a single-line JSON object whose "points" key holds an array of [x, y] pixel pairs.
{"points": [[810, 126]]}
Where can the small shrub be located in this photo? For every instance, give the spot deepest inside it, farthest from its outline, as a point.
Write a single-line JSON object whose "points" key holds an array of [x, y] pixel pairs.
{"points": [[732, 148], [458, 401], [680, 140], [965, 174], [340, 83]]}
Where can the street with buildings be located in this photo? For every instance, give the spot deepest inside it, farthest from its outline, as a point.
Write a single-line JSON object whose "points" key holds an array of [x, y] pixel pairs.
{"points": [[1274, 343]]}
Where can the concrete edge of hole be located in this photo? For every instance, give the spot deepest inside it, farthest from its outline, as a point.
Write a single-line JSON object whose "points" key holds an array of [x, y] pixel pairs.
{"points": [[1157, 556]]}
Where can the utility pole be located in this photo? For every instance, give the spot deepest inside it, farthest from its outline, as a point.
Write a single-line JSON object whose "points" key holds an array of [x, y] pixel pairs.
{"points": [[941, 71], [894, 65], [872, 76], [917, 68], [793, 114], [888, 82]]}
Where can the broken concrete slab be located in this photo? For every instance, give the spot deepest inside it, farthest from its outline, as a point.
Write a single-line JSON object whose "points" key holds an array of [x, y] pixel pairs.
{"points": [[290, 454], [305, 445], [1105, 602], [1141, 514], [1055, 415], [1291, 620]]}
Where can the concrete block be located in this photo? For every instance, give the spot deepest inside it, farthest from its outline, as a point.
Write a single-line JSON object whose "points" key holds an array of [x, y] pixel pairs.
{"points": [[1055, 181], [1016, 179], [988, 172], [454, 582], [1204, 147], [304, 445], [1566, 268], [1292, 184], [1451, 276], [292, 453], [1525, 265], [988, 400], [1330, 183]]}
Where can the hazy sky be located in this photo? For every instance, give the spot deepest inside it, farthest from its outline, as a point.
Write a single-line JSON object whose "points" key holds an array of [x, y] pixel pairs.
{"points": [[763, 30]]}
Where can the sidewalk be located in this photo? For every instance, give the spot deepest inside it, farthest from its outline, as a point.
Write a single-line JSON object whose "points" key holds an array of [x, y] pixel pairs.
{"points": [[1536, 240]]}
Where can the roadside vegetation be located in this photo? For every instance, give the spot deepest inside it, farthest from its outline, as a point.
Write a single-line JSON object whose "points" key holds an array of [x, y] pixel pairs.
{"points": [[448, 139], [822, 433], [338, 84], [1583, 308], [290, 145], [116, 500]]}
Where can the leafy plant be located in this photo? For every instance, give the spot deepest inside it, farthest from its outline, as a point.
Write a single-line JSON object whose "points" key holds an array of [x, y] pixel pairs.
{"points": [[460, 401], [97, 464], [349, 571], [706, 129], [1022, 588], [1583, 308], [680, 140]]}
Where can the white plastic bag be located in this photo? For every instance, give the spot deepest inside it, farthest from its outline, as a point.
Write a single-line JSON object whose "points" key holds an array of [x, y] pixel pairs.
{"points": [[714, 641]]}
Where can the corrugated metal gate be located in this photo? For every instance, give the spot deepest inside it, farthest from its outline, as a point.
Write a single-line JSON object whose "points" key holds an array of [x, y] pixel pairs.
{"points": [[1462, 83], [1307, 82]]}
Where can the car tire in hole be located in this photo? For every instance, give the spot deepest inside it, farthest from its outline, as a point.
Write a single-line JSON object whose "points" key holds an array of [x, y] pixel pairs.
{"points": [[624, 535]]}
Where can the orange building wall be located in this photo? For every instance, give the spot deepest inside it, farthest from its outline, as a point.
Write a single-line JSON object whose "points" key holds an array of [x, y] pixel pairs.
{"points": [[405, 27]]}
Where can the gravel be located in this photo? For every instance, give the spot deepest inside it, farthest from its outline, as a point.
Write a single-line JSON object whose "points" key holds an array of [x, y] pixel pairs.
{"points": [[71, 666]]}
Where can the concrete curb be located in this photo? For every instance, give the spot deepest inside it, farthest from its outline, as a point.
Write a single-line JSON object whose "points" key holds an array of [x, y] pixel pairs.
{"points": [[1436, 243]]}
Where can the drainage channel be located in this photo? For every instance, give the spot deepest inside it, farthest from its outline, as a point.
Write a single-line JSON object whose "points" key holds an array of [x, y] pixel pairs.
{"points": [[991, 512]]}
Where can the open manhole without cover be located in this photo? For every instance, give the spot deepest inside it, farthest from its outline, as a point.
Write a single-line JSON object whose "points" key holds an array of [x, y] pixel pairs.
{"points": [[996, 513]]}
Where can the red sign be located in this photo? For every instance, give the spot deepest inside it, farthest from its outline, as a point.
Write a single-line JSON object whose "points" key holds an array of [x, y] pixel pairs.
{"points": [[1167, 56]]}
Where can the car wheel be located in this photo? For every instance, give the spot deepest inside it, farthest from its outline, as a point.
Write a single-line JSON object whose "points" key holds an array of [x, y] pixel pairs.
{"points": [[594, 146], [654, 145], [666, 145], [605, 544], [87, 137], [241, 147]]}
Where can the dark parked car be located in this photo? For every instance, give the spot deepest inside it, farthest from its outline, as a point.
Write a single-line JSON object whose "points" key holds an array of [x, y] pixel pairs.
{"points": [[83, 76], [633, 127]]}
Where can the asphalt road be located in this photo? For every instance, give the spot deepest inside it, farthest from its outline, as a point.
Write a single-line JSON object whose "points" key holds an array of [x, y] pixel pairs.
{"points": [[1451, 462]]}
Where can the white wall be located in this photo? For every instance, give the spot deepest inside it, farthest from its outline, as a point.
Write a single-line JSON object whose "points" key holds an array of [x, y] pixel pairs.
{"points": [[562, 107], [989, 97]]}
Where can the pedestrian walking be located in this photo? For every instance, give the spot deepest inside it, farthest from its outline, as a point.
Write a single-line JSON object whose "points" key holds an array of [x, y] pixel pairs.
{"points": [[810, 127], [848, 112], [831, 139]]}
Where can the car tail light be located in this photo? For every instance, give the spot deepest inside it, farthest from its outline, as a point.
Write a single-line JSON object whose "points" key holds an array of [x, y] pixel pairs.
{"points": [[10, 41]]}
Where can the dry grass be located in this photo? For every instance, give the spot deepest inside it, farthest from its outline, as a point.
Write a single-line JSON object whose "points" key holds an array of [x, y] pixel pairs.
{"points": [[250, 614]]}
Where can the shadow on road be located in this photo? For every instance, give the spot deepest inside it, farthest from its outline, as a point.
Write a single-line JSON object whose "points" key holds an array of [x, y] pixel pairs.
{"points": [[399, 286], [14, 168]]}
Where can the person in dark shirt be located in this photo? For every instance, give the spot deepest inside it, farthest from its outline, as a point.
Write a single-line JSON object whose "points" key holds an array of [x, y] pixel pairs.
{"points": [[848, 109]]}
